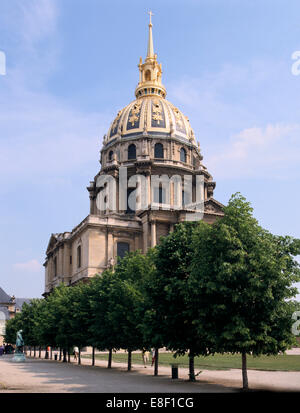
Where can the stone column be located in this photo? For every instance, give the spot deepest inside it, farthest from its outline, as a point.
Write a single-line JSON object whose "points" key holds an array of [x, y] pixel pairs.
{"points": [[153, 233], [110, 247], [149, 189], [145, 236]]}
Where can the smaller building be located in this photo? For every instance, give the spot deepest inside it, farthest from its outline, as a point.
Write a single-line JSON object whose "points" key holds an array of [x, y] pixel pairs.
{"points": [[9, 306]]}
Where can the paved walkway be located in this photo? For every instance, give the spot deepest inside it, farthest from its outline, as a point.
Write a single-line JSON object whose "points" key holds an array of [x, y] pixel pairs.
{"points": [[39, 375], [47, 376]]}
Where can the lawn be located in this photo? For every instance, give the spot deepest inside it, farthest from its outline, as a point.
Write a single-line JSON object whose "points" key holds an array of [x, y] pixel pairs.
{"points": [[216, 362]]}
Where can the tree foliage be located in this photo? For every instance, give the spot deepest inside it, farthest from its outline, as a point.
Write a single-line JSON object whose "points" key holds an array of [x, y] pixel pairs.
{"points": [[206, 288]]}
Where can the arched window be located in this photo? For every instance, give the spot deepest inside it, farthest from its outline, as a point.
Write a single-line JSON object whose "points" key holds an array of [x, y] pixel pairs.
{"points": [[158, 150], [110, 155], [122, 249], [183, 155], [148, 75], [131, 151]]}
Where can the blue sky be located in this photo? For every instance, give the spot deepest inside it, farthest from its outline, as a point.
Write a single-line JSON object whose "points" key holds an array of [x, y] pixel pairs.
{"points": [[72, 64]]}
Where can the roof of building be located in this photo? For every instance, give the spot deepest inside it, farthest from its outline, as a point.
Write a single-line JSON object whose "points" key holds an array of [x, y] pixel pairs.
{"points": [[7, 299], [4, 298], [21, 301], [150, 114], [4, 313]]}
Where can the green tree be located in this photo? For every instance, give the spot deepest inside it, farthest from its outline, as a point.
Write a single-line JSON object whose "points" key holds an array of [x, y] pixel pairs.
{"points": [[12, 326], [117, 306], [131, 271], [241, 278], [79, 315], [103, 331], [168, 317], [30, 322]]}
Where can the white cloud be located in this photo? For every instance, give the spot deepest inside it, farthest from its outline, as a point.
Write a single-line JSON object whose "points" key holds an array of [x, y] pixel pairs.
{"points": [[246, 118], [29, 266], [273, 151]]}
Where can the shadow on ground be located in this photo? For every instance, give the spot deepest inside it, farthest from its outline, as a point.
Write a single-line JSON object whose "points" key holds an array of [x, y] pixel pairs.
{"points": [[56, 377]]}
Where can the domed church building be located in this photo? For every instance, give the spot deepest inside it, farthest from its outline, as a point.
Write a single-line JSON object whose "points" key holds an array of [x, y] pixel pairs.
{"points": [[148, 137]]}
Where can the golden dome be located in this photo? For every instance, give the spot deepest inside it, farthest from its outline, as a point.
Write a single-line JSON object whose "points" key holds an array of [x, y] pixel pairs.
{"points": [[150, 115]]}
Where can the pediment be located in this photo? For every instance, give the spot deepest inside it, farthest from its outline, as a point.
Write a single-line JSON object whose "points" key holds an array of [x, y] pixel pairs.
{"points": [[52, 242], [212, 206]]}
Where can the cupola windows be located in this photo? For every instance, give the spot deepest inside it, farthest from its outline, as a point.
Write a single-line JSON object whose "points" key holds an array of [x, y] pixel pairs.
{"points": [[110, 155], [131, 151], [158, 151], [183, 155], [147, 76]]}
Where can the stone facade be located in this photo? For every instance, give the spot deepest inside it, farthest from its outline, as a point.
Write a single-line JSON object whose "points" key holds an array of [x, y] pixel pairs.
{"points": [[149, 137], [9, 306]]}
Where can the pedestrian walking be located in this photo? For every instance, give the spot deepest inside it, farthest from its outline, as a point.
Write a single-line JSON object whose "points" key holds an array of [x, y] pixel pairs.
{"points": [[145, 355], [76, 353], [153, 356]]}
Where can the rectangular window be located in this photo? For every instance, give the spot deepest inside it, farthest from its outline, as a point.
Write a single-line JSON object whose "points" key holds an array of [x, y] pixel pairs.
{"points": [[79, 256], [55, 266], [159, 195], [70, 259], [122, 248]]}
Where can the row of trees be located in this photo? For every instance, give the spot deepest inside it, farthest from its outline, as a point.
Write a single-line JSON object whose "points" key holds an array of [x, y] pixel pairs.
{"points": [[204, 289]]}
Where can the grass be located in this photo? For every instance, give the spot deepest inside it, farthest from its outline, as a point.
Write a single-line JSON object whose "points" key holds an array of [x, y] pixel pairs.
{"points": [[216, 362]]}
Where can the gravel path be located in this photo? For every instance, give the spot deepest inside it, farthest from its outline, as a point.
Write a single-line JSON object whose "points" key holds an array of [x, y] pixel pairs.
{"points": [[47, 376]]}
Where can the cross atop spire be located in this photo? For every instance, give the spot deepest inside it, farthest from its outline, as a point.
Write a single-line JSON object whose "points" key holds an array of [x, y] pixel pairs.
{"points": [[150, 14], [150, 71], [150, 50]]}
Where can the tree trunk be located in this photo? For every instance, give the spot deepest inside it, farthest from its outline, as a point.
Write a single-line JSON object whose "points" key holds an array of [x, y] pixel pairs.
{"points": [[34, 350], [129, 361], [64, 355], [59, 353], [69, 356], [30, 352], [244, 371], [50, 353], [40, 351], [156, 363], [79, 356], [93, 357], [109, 358], [191, 366]]}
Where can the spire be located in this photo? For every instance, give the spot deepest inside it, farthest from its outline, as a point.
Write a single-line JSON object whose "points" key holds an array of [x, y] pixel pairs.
{"points": [[150, 71], [150, 50]]}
